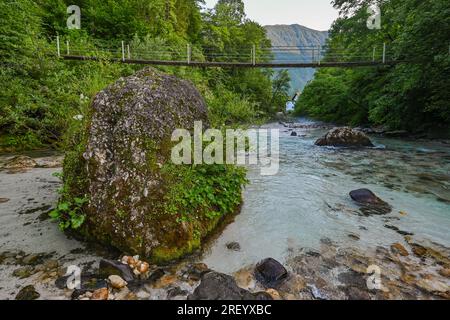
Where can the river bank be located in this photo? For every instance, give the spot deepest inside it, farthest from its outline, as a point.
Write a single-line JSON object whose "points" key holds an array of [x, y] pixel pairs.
{"points": [[302, 217]]}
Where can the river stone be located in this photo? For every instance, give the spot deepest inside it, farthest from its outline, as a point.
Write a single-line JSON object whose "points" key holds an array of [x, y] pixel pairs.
{"points": [[112, 267], [219, 286], [233, 246], [121, 166], [28, 293], [20, 162], [23, 272], [369, 202], [270, 272], [344, 137], [117, 282]]}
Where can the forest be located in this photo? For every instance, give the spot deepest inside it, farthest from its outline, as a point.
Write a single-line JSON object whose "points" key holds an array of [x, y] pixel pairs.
{"points": [[42, 96], [412, 96]]}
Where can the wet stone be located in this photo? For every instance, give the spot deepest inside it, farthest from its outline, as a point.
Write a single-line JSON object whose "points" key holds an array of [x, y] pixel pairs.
{"points": [[112, 267], [233, 246], [28, 293], [270, 272], [23, 272]]}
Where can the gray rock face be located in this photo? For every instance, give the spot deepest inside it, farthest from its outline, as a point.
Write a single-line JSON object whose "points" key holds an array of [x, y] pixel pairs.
{"points": [[128, 142], [219, 286], [344, 137]]}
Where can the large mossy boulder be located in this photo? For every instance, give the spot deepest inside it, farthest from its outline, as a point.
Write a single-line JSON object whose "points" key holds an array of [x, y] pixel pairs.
{"points": [[139, 201]]}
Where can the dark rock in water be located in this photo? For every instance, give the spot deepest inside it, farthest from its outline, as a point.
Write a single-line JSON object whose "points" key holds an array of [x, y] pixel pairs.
{"points": [[176, 292], [234, 246], [156, 275], [77, 293], [344, 137], [219, 286], [293, 134], [33, 259], [270, 272], [3, 200], [369, 202], [111, 267], [401, 232], [28, 293], [196, 271]]}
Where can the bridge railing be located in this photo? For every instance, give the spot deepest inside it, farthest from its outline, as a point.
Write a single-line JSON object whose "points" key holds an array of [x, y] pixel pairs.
{"points": [[244, 55]]}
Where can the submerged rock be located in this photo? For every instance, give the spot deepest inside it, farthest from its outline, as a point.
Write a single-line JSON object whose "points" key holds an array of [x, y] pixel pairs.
{"points": [[270, 272], [23, 272], [122, 163], [234, 246], [219, 286], [398, 248], [369, 202], [344, 137]]}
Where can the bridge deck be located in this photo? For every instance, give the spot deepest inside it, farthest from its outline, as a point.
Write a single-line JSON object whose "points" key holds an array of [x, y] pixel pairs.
{"points": [[237, 64]]}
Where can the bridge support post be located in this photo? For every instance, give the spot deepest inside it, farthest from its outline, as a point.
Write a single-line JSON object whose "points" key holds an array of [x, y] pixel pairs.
{"points": [[68, 47], [254, 55], [189, 53], [319, 54], [123, 51], [373, 54], [384, 52], [128, 51], [58, 51]]}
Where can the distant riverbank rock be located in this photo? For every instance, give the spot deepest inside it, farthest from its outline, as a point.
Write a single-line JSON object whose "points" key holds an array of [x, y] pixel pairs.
{"points": [[20, 162], [219, 286], [344, 137], [121, 163], [369, 202]]}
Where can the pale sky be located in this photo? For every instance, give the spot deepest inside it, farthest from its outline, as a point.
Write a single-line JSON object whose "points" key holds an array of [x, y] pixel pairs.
{"points": [[314, 14]]}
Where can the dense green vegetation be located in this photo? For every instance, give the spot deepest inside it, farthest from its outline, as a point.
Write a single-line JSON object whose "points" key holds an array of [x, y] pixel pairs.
{"points": [[41, 94], [413, 96]]}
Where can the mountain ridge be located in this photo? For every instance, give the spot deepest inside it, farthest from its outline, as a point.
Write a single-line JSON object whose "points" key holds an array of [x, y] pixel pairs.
{"points": [[296, 35]]}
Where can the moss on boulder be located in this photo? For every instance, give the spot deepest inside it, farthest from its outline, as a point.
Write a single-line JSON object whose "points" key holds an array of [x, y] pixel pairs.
{"points": [[139, 202]]}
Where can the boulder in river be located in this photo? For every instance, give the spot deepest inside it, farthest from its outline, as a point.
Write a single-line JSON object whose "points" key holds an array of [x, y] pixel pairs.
{"points": [[219, 286], [369, 202], [121, 162], [344, 137], [270, 272]]}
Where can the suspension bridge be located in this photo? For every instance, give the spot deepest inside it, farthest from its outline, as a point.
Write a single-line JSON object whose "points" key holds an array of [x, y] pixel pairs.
{"points": [[251, 57]]}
